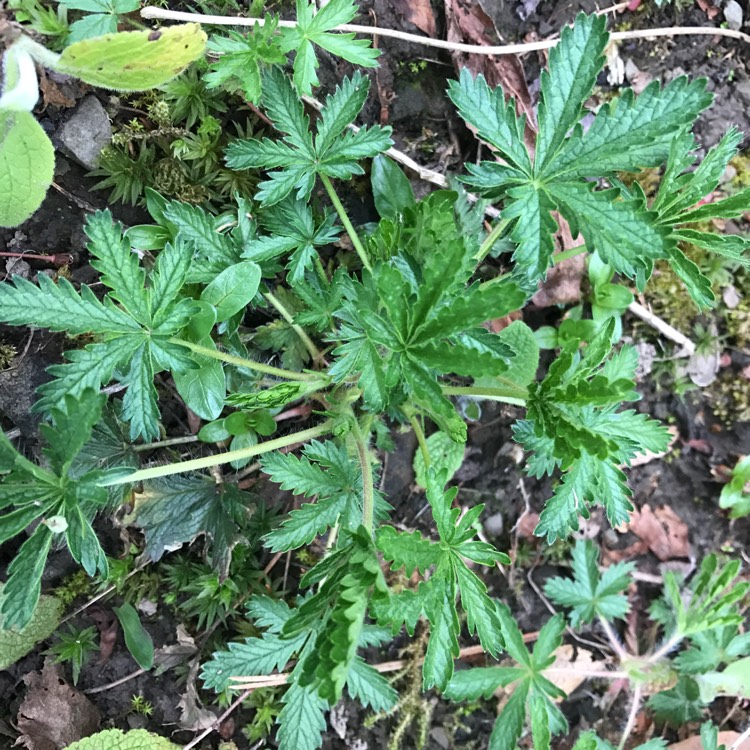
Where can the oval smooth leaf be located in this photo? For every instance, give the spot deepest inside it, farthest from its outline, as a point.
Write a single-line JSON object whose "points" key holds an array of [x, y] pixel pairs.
{"points": [[27, 164], [204, 388], [134, 60], [233, 289], [391, 189], [137, 638]]}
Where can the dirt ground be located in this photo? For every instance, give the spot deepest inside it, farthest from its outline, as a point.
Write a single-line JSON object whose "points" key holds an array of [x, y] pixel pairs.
{"points": [[409, 95]]}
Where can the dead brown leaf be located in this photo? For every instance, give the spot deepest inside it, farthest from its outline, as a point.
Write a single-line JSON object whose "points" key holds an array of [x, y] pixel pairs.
{"points": [[53, 93], [418, 12], [568, 660], [694, 743], [54, 714], [108, 627], [467, 22], [662, 531], [193, 716], [563, 282]]}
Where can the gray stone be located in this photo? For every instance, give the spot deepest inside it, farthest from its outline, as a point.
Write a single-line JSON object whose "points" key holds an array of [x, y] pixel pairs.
{"points": [[733, 14], [493, 525], [85, 132], [742, 91]]}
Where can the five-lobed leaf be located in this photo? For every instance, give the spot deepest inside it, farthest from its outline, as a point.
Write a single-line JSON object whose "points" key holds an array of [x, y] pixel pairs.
{"points": [[334, 152]]}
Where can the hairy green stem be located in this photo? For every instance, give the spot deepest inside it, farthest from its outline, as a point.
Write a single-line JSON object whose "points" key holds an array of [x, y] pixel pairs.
{"points": [[306, 340], [166, 443], [341, 211], [247, 363], [223, 458], [515, 396], [491, 239], [419, 432], [368, 490]]}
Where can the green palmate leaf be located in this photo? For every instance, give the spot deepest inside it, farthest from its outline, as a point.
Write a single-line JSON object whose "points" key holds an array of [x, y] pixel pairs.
{"points": [[336, 644], [302, 720], [64, 500], [574, 64], [23, 587], [452, 578], [27, 163], [680, 191], [134, 60], [325, 471], [335, 152], [242, 57], [369, 687], [212, 251], [680, 704], [313, 27], [256, 656], [590, 594], [532, 695], [736, 494], [711, 649], [178, 511], [572, 424], [409, 321], [292, 229], [135, 337], [626, 135], [407, 550]]}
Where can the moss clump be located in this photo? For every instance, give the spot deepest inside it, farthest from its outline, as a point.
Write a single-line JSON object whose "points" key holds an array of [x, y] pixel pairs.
{"points": [[8, 353]]}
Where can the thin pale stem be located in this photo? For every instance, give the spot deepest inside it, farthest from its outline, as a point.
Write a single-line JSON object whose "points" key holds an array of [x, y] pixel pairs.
{"points": [[491, 239], [666, 647], [614, 641], [516, 397], [166, 443], [341, 211], [574, 670], [416, 425], [222, 458], [368, 489], [219, 721], [502, 49], [246, 363], [306, 340], [634, 706]]}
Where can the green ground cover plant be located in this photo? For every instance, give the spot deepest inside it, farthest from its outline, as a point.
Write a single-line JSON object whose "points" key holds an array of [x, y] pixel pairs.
{"points": [[388, 334]]}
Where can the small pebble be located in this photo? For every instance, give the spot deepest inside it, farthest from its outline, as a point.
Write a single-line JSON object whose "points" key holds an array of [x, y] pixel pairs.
{"points": [[494, 524], [733, 14]]}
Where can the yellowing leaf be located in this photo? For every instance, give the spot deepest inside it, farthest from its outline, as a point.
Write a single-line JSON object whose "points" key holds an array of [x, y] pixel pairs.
{"points": [[27, 163], [134, 60], [115, 739], [15, 644]]}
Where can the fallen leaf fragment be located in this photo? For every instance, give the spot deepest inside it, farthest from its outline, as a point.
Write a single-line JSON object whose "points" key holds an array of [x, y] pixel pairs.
{"points": [[193, 716], [54, 714], [662, 531], [694, 743], [419, 13], [573, 665]]}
